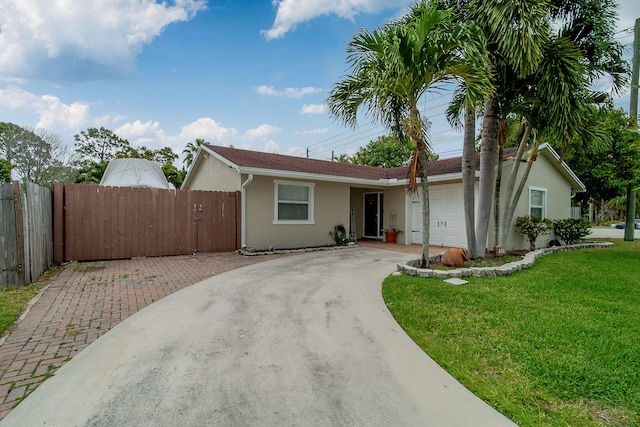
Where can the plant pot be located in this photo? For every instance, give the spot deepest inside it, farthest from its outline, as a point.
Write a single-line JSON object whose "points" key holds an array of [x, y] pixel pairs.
{"points": [[390, 236]]}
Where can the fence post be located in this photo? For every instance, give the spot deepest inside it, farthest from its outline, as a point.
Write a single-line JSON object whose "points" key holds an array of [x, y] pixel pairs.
{"points": [[16, 191]]}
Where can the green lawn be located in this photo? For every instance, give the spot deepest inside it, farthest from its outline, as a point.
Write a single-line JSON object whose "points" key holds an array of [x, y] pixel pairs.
{"points": [[555, 345], [14, 300]]}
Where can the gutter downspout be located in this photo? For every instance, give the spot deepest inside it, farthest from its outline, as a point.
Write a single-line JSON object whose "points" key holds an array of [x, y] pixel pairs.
{"points": [[243, 214]]}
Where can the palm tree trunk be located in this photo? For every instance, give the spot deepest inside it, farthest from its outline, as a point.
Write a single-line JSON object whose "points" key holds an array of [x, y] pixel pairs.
{"points": [[422, 158], [510, 203], [512, 206], [469, 161], [629, 229], [502, 140], [414, 127], [488, 155]]}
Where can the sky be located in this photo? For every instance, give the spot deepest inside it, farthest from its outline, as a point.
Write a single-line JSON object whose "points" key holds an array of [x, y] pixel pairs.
{"points": [[252, 74]]}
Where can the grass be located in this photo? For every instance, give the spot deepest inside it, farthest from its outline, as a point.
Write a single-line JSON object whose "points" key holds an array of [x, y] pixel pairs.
{"points": [[14, 300], [555, 345]]}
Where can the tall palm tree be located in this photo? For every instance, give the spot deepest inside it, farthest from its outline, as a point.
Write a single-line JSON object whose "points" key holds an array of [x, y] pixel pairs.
{"points": [[395, 65], [190, 151], [544, 54]]}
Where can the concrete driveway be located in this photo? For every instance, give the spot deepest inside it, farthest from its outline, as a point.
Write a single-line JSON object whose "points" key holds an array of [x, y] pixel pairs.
{"points": [[303, 340]]}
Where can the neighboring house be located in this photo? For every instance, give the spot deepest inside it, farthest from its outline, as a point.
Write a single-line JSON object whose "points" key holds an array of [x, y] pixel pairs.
{"points": [[292, 202]]}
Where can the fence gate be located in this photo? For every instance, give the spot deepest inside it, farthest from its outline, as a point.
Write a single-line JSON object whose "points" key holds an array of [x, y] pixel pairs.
{"points": [[99, 223]]}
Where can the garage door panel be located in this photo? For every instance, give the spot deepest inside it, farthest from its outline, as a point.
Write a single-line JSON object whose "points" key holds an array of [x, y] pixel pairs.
{"points": [[447, 225]]}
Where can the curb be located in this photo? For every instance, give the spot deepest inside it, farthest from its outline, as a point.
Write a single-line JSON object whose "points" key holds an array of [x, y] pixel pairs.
{"points": [[527, 261]]}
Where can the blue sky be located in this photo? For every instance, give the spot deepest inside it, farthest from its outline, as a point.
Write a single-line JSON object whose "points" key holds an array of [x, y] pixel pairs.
{"points": [[253, 74]]}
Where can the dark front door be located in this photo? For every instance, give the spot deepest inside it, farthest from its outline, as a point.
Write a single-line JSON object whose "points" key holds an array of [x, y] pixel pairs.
{"points": [[373, 214]]}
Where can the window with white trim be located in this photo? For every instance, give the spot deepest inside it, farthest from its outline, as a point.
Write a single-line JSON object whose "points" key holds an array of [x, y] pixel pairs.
{"points": [[538, 202], [293, 202]]}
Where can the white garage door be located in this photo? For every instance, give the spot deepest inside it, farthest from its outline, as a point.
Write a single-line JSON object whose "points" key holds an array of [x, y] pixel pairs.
{"points": [[447, 217]]}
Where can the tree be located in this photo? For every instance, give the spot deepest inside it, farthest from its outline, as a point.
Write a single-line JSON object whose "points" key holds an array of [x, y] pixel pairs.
{"points": [[5, 171], [11, 136], [36, 155], [545, 55], [387, 151], [89, 173], [100, 145], [190, 151], [609, 170], [395, 65], [174, 175]]}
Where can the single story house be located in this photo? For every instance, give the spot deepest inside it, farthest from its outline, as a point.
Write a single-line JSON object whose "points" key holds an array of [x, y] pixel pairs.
{"points": [[293, 202]]}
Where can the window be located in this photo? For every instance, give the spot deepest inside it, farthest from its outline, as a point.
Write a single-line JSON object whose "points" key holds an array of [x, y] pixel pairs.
{"points": [[538, 202], [293, 202]]}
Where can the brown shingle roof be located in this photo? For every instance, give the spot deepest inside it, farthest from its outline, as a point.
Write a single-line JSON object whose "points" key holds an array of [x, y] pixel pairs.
{"points": [[258, 160]]}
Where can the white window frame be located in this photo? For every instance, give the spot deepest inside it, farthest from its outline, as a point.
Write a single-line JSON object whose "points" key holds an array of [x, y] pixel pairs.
{"points": [[310, 202], [544, 200]]}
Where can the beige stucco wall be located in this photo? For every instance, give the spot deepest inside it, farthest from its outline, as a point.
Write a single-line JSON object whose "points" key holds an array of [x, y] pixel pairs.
{"points": [[395, 203], [331, 207], [544, 175], [209, 173]]}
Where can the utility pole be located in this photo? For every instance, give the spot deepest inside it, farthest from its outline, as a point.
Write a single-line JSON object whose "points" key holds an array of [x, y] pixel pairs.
{"points": [[633, 113]]}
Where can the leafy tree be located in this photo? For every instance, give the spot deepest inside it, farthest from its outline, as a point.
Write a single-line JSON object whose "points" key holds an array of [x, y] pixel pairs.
{"points": [[386, 151], [5, 171], [100, 145], [11, 136], [36, 155], [395, 65], [607, 171], [190, 151], [161, 156], [89, 173], [174, 175]]}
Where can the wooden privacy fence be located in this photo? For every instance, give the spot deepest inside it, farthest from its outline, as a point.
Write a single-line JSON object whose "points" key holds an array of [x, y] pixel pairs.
{"points": [[99, 223], [26, 239]]}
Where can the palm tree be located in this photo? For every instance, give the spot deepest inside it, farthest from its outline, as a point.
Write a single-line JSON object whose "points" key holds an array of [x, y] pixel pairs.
{"points": [[395, 65], [190, 151], [542, 77]]}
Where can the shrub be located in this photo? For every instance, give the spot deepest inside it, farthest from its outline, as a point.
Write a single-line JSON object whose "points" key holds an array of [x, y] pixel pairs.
{"points": [[532, 227], [571, 230]]}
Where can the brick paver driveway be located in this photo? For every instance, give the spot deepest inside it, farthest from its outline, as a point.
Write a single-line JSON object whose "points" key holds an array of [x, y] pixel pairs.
{"points": [[84, 302]]}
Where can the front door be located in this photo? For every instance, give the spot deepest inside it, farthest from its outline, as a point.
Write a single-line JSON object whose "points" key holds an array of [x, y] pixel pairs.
{"points": [[373, 210]]}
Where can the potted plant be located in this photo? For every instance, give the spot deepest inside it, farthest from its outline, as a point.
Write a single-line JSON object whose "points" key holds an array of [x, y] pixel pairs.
{"points": [[390, 234]]}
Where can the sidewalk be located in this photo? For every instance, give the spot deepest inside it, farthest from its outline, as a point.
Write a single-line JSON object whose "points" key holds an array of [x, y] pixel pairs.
{"points": [[84, 302]]}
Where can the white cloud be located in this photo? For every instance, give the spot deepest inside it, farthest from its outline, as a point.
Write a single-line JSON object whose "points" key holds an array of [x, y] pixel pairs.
{"points": [[153, 136], [271, 147], [52, 113], [261, 131], [62, 41], [289, 92], [313, 131], [313, 109], [290, 13], [137, 130], [205, 128]]}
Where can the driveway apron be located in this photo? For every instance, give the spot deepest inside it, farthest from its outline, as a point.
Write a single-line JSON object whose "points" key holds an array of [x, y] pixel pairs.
{"points": [[303, 340]]}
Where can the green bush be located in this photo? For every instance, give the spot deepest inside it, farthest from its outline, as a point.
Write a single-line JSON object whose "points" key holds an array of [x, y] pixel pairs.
{"points": [[533, 226], [571, 230]]}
